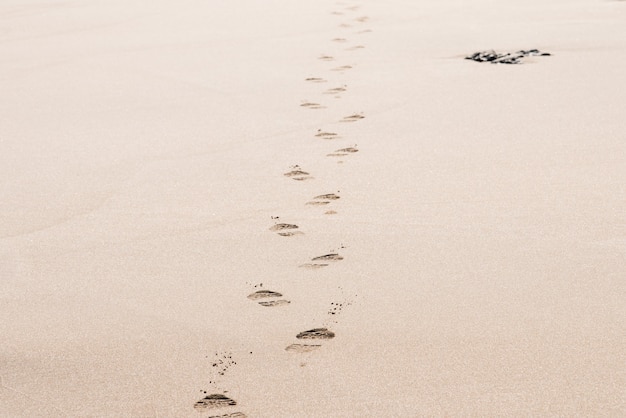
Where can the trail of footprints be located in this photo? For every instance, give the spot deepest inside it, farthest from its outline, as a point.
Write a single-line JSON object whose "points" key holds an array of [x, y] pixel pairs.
{"points": [[219, 405]]}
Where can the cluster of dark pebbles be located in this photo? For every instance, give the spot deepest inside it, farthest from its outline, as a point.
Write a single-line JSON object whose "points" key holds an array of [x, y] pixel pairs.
{"points": [[505, 58]]}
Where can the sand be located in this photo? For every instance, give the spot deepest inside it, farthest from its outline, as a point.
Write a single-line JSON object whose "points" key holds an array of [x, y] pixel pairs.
{"points": [[473, 262]]}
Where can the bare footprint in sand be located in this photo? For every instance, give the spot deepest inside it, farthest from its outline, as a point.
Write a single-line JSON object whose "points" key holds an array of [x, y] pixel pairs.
{"points": [[315, 80], [298, 174], [340, 40], [268, 298], [325, 58], [342, 152], [352, 118], [362, 19]]}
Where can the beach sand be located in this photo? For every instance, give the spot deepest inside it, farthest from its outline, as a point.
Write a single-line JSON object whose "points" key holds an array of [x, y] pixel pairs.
{"points": [[458, 228]]}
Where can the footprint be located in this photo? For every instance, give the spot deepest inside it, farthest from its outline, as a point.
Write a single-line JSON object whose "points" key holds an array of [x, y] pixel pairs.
{"points": [[354, 48], [264, 294], [302, 348], [365, 31], [214, 401], [336, 90], [286, 230], [268, 294], [326, 135], [330, 212], [312, 266], [352, 118], [310, 105], [298, 174], [323, 199], [328, 257], [326, 58], [281, 227], [362, 19], [315, 80], [319, 262], [330, 196], [339, 40], [233, 415], [343, 152], [316, 334], [345, 25], [342, 68], [274, 303]]}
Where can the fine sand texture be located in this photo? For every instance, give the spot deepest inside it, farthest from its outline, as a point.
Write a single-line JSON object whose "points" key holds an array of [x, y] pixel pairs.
{"points": [[312, 208]]}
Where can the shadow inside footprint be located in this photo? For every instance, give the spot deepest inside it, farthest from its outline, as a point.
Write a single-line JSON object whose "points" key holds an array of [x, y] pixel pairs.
{"points": [[214, 401], [298, 175], [352, 118], [316, 334], [281, 227], [290, 233], [274, 303], [268, 294], [310, 105], [342, 152], [329, 196], [302, 348], [263, 294], [326, 135], [323, 199], [335, 90], [311, 266], [328, 257], [315, 80]]}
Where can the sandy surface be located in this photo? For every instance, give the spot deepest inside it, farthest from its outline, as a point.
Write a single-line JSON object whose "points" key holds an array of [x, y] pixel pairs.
{"points": [[481, 224]]}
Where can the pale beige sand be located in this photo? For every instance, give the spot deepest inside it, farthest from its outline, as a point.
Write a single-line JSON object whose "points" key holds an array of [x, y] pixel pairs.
{"points": [[142, 152]]}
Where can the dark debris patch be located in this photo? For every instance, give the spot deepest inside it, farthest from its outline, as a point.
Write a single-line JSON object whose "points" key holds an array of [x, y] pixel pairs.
{"points": [[505, 58]]}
